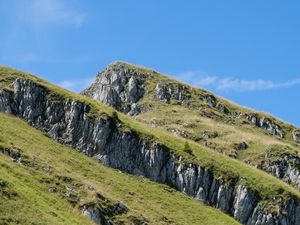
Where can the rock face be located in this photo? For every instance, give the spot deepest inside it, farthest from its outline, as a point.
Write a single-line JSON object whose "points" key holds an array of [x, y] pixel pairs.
{"points": [[266, 124], [287, 167], [102, 216], [296, 136], [92, 212], [119, 87], [213, 102], [68, 122], [166, 92], [122, 88]]}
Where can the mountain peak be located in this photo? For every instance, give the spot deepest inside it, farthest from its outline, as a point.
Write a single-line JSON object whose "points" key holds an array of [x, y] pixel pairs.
{"points": [[163, 102], [126, 65]]}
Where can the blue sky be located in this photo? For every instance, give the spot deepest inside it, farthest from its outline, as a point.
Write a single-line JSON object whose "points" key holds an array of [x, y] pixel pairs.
{"points": [[246, 51]]}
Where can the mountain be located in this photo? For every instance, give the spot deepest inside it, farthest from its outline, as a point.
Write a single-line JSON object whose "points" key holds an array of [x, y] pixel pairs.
{"points": [[45, 182], [144, 143], [215, 123]]}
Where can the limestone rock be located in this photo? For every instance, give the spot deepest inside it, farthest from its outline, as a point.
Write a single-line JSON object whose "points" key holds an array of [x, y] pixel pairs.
{"points": [[213, 102], [117, 86], [296, 136], [209, 99], [94, 213], [266, 124], [286, 167], [168, 91]]}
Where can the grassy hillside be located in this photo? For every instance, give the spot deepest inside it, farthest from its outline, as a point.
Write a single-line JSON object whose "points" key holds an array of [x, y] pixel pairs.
{"points": [[222, 166], [25, 196], [205, 124]]}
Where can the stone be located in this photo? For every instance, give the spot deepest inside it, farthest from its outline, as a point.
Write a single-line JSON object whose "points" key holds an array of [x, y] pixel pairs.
{"points": [[47, 169], [168, 91], [206, 134], [93, 213], [52, 190], [296, 136], [241, 146], [222, 108], [244, 203], [209, 99], [119, 208], [118, 87], [267, 124], [286, 168]]}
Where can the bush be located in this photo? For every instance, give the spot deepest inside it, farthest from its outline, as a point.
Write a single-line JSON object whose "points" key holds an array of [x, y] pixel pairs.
{"points": [[187, 149]]}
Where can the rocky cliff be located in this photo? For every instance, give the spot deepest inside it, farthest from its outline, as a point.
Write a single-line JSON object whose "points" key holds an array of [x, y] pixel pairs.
{"points": [[68, 121], [120, 88], [284, 165]]}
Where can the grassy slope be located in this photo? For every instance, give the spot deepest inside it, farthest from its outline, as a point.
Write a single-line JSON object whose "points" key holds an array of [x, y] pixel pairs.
{"points": [[33, 203], [25, 201], [266, 185]]}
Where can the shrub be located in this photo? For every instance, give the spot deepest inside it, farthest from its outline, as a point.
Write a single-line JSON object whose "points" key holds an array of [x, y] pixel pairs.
{"points": [[187, 149]]}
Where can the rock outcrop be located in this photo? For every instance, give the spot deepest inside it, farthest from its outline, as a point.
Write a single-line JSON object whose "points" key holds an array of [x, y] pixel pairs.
{"points": [[166, 92], [296, 136], [286, 166], [92, 212], [122, 88], [101, 215], [119, 87], [214, 103], [68, 121], [266, 124]]}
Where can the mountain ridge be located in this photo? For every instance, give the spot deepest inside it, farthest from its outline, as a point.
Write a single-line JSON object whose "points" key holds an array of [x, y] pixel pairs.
{"points": [[149, 70], [200, 116], [35, 102]]}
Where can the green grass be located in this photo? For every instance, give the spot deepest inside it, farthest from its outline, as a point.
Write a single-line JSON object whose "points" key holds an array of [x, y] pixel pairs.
{"points": [[33, 204]]}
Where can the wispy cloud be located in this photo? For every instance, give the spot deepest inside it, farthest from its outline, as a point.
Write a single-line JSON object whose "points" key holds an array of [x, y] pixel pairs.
{"points": [[253, 85], [75, 85], [233, 84]]}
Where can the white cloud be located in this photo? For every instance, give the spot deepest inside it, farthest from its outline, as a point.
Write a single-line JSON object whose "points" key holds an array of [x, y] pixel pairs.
{"points": [[233, 84], [75, 85], [253, 85]]}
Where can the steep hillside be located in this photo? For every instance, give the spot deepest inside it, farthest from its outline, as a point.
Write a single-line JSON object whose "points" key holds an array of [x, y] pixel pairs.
{"points": [[245, 193], [44, 182], [255, 138]]}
